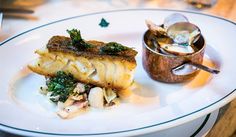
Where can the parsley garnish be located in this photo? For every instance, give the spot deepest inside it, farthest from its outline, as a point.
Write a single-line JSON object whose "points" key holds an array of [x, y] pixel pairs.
{"points": [[112, 48], [61, 85], [104, 23], [77, 40]]}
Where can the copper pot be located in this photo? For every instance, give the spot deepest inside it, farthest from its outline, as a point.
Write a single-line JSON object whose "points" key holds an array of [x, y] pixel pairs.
{"points": [[160, 66]]}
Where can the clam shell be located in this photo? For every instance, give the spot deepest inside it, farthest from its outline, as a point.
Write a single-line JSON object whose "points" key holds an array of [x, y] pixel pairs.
{"points": [[174, 18], [155, 29], [176, 49], [184, 32]]}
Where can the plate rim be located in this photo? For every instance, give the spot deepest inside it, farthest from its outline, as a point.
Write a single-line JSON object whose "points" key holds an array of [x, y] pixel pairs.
{"points": [[111, 11], [182, 119]]}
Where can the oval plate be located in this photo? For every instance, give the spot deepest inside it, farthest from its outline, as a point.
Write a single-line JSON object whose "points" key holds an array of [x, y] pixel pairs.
{"points": [[153, 105]]}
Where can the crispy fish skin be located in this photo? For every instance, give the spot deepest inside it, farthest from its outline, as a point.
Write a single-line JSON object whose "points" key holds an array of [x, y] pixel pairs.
{"points": [[89, 66], [60, 44]]}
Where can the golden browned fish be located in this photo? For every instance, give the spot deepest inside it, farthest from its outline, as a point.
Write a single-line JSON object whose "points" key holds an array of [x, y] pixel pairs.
{"points": [[88, 66]]}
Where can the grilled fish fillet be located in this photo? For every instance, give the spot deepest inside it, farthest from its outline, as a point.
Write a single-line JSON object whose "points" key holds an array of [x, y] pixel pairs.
{"points": [[110, 71]]}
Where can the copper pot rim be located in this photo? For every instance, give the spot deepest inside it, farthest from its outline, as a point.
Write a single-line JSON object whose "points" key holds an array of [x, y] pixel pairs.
{"points": [[171, 56]]}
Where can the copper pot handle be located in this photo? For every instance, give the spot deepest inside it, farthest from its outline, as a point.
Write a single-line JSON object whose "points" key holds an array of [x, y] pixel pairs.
{"points": [[190, 67]]}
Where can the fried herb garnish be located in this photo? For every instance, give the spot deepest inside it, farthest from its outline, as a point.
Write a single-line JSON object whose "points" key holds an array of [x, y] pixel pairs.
{"points": [[62, 85], [112, 48], [77, 40]]}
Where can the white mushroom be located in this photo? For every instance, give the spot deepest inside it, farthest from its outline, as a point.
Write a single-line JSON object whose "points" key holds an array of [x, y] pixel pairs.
{"points": [[109, 95], [79, 88], [96, 98]]}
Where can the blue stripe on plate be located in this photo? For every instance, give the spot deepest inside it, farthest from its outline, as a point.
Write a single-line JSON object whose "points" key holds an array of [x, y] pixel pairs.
{"points": [[201, 126]]}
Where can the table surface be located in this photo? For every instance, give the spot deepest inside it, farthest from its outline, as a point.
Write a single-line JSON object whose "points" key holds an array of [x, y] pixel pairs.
{"points": [[14, 24]]}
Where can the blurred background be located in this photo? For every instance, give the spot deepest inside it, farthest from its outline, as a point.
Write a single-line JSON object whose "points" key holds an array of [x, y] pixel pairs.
{"points": [[44, 11]]}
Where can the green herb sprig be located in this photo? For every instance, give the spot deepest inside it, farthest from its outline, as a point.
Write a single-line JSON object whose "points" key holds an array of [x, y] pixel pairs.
{"points": [[61, 85], [77, 40], [112, 48]]}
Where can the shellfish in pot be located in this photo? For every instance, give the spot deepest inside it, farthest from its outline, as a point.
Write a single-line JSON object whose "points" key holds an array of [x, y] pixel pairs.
{"points": [[174, 18]]}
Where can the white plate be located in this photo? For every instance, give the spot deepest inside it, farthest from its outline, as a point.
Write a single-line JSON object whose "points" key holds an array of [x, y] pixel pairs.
{"points": [[196, 128], [154, 106]]}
